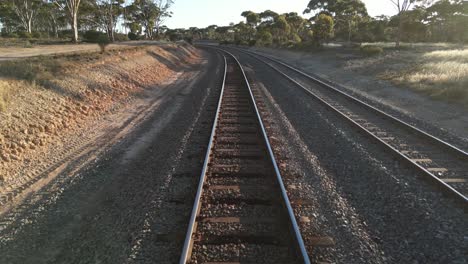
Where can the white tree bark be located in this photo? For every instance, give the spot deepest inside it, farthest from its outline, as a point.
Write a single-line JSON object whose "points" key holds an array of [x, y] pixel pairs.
{"points": [[26, 12]]}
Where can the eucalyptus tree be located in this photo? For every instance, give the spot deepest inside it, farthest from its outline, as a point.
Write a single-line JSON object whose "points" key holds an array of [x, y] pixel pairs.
{"points": [[323, 28], [145, 13], [8, 18], [150, 14], [402, 6], [164, 12], [107, 13], [347, 14], [25, 11], [71, 7], [252, 20]]}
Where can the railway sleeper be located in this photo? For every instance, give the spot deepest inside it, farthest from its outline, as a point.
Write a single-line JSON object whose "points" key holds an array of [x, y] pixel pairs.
{"points": [[241, 238]]}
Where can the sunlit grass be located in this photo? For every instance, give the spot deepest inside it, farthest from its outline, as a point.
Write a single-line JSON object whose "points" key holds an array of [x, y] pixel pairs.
{"points": [[4, 95], [440, 74]]}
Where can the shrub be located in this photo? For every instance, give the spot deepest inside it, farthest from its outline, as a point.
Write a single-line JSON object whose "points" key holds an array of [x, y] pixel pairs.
{"points": [[65, 34], [370, 50], [93, 36], [120, 37], [133, 36], [189, 40], [28, 43], [25, 35], [36, 35], [252, 42], [11, 35], [103, 41]]}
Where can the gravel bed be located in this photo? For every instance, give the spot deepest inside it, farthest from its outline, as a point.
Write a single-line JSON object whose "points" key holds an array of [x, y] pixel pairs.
{"points": [[245, 253]]}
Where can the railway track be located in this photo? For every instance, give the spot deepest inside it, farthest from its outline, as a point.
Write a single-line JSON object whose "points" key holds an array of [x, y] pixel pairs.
{"points": [[442, 163], [241, 211]]}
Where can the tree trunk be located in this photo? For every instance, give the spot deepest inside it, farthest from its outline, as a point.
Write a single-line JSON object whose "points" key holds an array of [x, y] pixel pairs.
{"points": [[349, 32], [29, 26], [398, 36], [111, 24], [75, 27]]}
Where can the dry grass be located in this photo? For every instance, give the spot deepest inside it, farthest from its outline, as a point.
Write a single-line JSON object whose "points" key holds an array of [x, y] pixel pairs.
{"points": [[4, 95], [440, 74], [438, 70], [36, 71]]}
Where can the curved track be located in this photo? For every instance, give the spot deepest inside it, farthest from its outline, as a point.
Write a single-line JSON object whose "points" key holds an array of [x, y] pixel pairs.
{"points": [[241, 211], [443, 163]]}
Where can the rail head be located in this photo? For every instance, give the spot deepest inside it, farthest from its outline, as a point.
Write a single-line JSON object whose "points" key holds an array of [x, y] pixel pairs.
{"points": [[196, 206], [294, 225]]}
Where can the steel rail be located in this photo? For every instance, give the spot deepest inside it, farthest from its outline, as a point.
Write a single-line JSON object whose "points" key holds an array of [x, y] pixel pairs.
{"points": [[196, 206], [292, 218], [195, 211], [446, 186]]}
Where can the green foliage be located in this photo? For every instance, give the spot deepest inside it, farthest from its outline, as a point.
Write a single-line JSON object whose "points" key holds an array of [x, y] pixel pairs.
{"points": [[103, 41], [264, 38], [36, 34], [133, 36], [35, 70], [323, 28], [120, 37], [371, 50], [93, 36], [24, 35]]}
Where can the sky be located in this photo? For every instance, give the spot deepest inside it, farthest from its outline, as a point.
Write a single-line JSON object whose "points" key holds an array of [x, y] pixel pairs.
{"points": [[202, 13]]}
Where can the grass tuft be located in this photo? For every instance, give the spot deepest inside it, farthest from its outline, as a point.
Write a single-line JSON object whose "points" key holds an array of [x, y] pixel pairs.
{"points": [[441, 74], [4, 95]]}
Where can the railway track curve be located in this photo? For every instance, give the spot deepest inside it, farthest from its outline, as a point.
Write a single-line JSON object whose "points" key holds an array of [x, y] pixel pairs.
{"points": [[241, 211]]}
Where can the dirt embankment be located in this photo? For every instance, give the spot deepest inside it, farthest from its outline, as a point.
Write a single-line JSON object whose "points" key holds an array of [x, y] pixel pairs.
{"points": [[48, 99]]}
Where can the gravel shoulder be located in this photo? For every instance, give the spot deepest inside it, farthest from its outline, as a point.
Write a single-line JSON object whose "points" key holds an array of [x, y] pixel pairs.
{"points": [[375, 209], [448, 121]]}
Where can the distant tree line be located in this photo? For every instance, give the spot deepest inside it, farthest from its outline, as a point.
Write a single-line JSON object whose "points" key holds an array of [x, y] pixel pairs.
{"points": [[88, 18], [343, 20]]}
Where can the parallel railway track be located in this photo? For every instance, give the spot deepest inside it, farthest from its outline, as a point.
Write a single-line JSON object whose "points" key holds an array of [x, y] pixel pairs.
{"points": [[241, 211], [444, 164]]}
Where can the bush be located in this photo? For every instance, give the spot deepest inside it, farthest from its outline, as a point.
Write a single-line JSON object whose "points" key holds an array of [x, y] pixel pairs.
{"points": [[120, 37], [370, 50], [252, 42], [36, 35], [103, 41], [65, 34], [10, 35], [93, 36], [24, 35], [133, 36], [189, 40]]}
